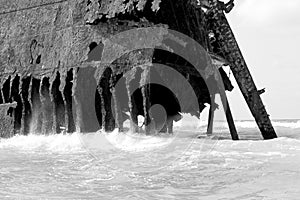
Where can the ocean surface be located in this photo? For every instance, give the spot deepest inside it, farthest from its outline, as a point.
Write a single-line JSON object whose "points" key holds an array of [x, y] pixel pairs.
{"points": [[131, 166]]}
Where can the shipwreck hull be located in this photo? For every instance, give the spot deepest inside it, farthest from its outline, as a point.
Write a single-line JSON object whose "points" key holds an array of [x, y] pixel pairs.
{"points": [[64, 68], [46, 58]]}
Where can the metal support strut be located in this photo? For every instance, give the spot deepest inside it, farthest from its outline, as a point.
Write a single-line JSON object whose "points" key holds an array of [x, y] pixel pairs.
{"points": [[230, 50]]}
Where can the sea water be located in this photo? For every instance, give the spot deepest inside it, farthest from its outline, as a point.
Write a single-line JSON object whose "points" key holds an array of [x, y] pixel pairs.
{"points": [[135, 166]]}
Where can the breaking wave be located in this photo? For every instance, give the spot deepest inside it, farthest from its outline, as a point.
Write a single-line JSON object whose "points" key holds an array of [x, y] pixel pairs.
{"points": [[292, 124]]}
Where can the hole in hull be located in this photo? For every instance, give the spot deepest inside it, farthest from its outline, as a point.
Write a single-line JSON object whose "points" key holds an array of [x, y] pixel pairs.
{"points": [[37, 116], [27, 114], [15, 96], [59, 106], [68, 98], [47, 107]]}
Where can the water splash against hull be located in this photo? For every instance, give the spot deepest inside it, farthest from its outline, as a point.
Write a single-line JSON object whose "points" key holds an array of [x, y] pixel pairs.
{"points": [[32, 164]]}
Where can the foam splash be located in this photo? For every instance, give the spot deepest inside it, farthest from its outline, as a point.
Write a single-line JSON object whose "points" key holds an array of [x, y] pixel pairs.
{"points": [[129, 141], [83, 142], [55, 143]]}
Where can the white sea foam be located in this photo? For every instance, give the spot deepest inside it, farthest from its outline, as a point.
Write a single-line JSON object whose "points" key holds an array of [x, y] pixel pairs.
{"points": [[210, 168], [130, 141], [57, 142], [137, 142]]}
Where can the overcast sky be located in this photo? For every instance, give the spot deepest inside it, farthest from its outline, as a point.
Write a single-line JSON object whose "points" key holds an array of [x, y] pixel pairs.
{"points": [[268, 33]]}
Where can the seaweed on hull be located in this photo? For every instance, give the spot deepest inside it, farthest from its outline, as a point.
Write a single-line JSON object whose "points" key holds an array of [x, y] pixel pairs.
{"points": [[47, 57]]}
